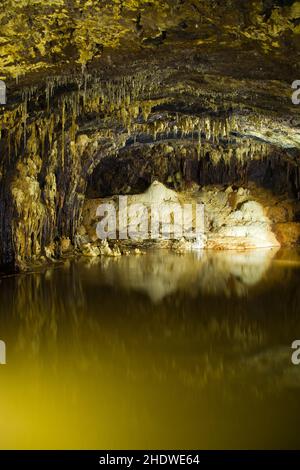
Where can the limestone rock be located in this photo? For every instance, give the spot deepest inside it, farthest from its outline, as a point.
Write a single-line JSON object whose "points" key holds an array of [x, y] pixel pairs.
{"points": [[50, 251], [65, 244], [156, 194], [90, 250], [288, 233], [182, 246], [137, 251], [104, 249]]}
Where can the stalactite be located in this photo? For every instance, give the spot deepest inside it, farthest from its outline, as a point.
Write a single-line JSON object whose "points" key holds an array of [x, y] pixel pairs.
{"points": [[63, 117], [25, 120], [199, 142]]}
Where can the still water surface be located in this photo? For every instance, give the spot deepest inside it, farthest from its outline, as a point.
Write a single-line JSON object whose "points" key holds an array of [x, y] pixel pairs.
{"points": [[154, 351]]}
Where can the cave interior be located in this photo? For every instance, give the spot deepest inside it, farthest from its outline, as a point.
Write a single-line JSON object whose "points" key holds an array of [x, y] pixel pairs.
{"points": [[106, 98]]}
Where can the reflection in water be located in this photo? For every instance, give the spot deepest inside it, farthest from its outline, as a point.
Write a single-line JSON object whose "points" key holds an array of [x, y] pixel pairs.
{"points": [[154, 351], [160, 274]]}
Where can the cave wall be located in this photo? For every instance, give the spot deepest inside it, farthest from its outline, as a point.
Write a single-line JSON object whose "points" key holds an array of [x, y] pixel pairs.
{"points": [[179, 163], [60, 144], [50, 142], [87, 79]]}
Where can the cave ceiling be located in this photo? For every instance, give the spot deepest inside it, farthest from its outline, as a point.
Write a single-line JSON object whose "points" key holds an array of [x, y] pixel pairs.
{"points": [[39, 36], [193, 56]]}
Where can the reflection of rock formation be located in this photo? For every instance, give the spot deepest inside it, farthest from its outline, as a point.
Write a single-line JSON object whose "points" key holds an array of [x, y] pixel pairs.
{"points": [[85, 346], [35, 310], [160, 274]]}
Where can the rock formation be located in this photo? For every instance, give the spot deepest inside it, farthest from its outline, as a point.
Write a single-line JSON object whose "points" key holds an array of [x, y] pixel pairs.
{"points": [[232, 219], [103, 98]]}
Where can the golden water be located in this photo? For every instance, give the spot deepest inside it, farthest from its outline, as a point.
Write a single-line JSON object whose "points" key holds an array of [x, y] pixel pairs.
{"points": [[155, 351]]}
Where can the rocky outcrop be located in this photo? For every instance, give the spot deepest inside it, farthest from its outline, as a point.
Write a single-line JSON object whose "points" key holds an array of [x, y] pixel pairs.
{"points": [[287, 233], [232, 219]]}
